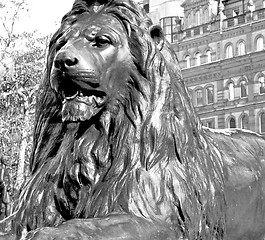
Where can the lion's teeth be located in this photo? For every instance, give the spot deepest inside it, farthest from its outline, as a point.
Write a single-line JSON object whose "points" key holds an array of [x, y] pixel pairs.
{"points": [[98, 100], [94, 100], [90, 99]]}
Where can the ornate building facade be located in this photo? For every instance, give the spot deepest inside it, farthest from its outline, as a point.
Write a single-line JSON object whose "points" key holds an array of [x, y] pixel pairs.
{"points": [[220, 46]]}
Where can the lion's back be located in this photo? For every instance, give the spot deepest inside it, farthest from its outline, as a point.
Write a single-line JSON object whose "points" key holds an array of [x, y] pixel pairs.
{"points": [[242, 152], [243, 158]]}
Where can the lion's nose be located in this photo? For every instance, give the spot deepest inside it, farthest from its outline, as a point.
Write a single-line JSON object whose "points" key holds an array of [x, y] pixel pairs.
{"points": [[66, 61]]}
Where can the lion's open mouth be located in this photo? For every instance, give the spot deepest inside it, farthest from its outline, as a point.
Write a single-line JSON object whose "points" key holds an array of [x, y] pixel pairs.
{"points": [[81, 105]]}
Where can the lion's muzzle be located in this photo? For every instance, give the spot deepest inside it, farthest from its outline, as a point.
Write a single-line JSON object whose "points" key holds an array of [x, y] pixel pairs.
{"points": [[75, 58], [75, 78]]}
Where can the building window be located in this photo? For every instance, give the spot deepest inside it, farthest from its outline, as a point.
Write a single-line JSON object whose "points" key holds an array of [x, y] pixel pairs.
{"points": [[210, 124], [259, 43], [241, 49], [208, 56], [244, 122], [261, 85], [235, 12], [243, 88], [231, 91], [197, 18], [209, 95], [146, 7], [168, 25], [262, 122], [199, 97], [189, 21], [232, 122], [187, 59], [205, 16], [229, 51], [198, 59]]}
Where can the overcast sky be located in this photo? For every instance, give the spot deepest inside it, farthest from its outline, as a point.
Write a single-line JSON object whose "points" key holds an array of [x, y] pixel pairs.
{"points": [[44, 14]]}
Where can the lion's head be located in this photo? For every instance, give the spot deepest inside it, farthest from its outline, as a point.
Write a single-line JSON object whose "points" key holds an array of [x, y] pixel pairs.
{"points": [[115, 129], [96, 59], [91, 68]]}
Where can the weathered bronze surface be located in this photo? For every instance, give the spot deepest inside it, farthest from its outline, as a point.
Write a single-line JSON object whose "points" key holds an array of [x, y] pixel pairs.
{"points": [[119, 152]]}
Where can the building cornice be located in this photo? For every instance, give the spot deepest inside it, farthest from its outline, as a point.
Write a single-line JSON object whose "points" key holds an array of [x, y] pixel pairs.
{"points": [[190, 4]]}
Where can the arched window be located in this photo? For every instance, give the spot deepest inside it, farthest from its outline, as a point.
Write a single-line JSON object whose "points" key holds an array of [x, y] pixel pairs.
{"points": [[231, 91], [209, 56], [261, 84], [241, 49], [189, 20], [199, 97], [229, 51], [198, 59], [244, 122], [243, 88], [187, 59], [209, 95], [197, 18], [262, 122], [259, 43], [205, 16], [232, 122]]}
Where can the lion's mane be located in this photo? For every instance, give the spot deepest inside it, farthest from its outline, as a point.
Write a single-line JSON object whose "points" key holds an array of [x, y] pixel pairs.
{"points": [[146, 155]]}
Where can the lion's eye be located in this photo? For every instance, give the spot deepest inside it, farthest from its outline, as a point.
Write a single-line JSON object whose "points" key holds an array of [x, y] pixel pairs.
{"points": [[101, 41]]}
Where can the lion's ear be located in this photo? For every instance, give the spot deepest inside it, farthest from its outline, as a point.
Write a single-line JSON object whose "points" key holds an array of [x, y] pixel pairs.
{"points": [[157, 34]]}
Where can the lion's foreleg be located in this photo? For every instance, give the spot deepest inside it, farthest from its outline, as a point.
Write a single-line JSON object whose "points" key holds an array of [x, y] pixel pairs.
{"points": [[115, 226]]}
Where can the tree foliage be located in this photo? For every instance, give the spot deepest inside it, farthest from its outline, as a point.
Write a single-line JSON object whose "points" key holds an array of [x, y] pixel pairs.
{"points": [[22, 57]]}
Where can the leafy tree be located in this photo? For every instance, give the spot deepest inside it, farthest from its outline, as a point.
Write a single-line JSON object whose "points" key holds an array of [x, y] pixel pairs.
{"points": [[22, 57]]}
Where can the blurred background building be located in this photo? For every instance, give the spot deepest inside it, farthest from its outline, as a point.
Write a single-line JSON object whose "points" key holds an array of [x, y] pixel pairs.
{"points": [[220, 47]]}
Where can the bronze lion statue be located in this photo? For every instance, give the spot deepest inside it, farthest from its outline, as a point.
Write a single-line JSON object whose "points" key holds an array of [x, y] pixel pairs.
{"points": [[119, 152]]}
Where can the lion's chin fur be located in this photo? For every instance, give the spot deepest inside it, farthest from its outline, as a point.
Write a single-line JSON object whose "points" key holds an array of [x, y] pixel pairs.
{"points": [[78, 110]]}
